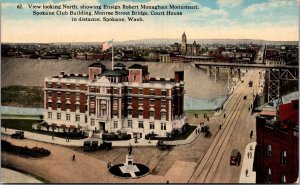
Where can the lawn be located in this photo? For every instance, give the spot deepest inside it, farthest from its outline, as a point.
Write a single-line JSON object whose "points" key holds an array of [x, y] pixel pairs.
{"points": [[199, 112], [26, 125]]}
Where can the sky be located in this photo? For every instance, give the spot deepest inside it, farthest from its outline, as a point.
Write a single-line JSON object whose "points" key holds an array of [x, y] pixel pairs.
{"points": [[274, 20]]}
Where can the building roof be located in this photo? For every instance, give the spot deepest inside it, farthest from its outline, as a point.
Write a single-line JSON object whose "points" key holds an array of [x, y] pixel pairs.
{"points": [[119, 65], [267, 113], [136, 66], [97, 64], [114, 73], [289, 112]]}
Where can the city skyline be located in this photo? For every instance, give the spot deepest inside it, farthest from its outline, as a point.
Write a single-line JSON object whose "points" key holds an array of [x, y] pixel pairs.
{"points": [[269, 20]]}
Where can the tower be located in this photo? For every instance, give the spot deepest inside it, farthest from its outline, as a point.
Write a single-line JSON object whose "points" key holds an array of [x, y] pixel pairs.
{"points": [[183, 43]]}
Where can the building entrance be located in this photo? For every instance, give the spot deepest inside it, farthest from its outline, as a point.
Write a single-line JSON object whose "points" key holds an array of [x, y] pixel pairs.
{"points": [[102, 126]]}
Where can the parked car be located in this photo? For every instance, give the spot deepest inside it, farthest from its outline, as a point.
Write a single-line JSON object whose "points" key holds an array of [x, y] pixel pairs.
{"points": [[94, 145], [235, 157], [18, 134], [162, 146]]}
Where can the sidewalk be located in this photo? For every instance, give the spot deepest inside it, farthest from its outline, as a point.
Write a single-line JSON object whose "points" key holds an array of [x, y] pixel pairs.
{"points": [[248, 165]]}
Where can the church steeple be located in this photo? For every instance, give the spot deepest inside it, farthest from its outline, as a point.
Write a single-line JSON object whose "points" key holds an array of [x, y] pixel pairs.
{"points": [[183, 43]]}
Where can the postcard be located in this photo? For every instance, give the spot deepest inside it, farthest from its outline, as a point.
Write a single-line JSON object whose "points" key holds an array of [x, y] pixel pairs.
{"points": [[149, 91]]}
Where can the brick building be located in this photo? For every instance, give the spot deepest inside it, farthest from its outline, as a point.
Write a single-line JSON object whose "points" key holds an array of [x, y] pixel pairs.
{"points": [[124, 100], [276, 154]]}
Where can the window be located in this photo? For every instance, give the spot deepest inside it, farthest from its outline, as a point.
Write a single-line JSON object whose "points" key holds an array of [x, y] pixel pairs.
{"points": [[85, 119], [68, 95], [151, 125], [129, 111], [269, 151], [152, 92], [92, 98], [58, 85], [86, 87], [116, 91], [49, 85], [58, 116], [163, 126], [58, 105], [77, 118], [68, 105], [92, 89], [140, 101], [134, 77], [49, 94], [129, 123], [163, 92], [151, 101], [77, 96], [152, 113], [115, 124], [141, 91], [141, 124], [115, 112], [268, 176], [58, 94], [68, 117], [163, 103], [49, 104], [77, 87], [92, 122], [283, 157], [163, 115], [129, 99], [141, 112], [50, 115], [77, 107], [129, 90], [92, 110], [68, 86]]}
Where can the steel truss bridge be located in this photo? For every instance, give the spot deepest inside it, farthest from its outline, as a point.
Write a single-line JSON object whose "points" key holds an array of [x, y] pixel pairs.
{"points": [[276, 73]]}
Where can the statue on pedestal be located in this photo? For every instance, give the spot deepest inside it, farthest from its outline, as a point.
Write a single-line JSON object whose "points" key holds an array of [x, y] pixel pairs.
{"points": [[129, 149]]}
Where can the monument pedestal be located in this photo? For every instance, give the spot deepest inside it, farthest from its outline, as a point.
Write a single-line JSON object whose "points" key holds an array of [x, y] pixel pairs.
{"points": [[129, 160], [129, 167]]}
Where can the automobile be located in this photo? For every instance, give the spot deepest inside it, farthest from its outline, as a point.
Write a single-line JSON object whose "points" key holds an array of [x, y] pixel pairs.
{"points": [[94, 145], [235, 157], [245, 97], [162, 146], [18, 134], [250, 83]]}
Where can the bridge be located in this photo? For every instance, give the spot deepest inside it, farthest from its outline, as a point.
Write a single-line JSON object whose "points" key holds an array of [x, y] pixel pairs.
{"points": [[276, 72]]}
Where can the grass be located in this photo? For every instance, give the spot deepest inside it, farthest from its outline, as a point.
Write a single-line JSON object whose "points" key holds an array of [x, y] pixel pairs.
{"points": [[26, 125], [185, 134], [199, 112]]}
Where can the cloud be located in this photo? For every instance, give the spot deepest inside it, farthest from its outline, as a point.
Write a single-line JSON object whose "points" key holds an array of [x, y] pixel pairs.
{"points": [[229, 3], [267, 5]]}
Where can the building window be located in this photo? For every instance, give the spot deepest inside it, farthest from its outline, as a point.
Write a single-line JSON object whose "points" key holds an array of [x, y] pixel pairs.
{"points": [[78, 107], [58, 116], [129, 111], [151, 101], [141, 112], [129, 99], [283, 179], [77, 96], [68, 105], [68, 95], [152, 92], [163, 115], [151, 125], [269, 151], [141, 91], [140, 101], [92, 98], [163, 126], [283, 157], [59, 105], [49, 94], [50, 115], [268, 180], [68, 117], [92, 110], [85, 119], [58, 94], [115, 124], [77, 87], [152, 113], [163, 103], [68, 86], [92, 89], [92, 122], [141, 124], [77, 118], [49, 85], [134, 77], [58, 85], [129, 90], [116, 91], [86, 87], [115, 112], [129, 123], [49, 104], [163, 92]]}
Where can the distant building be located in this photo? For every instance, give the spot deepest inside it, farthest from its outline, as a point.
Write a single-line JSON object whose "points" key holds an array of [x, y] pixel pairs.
{"points": [[277, 152], [119, 100], [164, 58], [185, 48]]}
